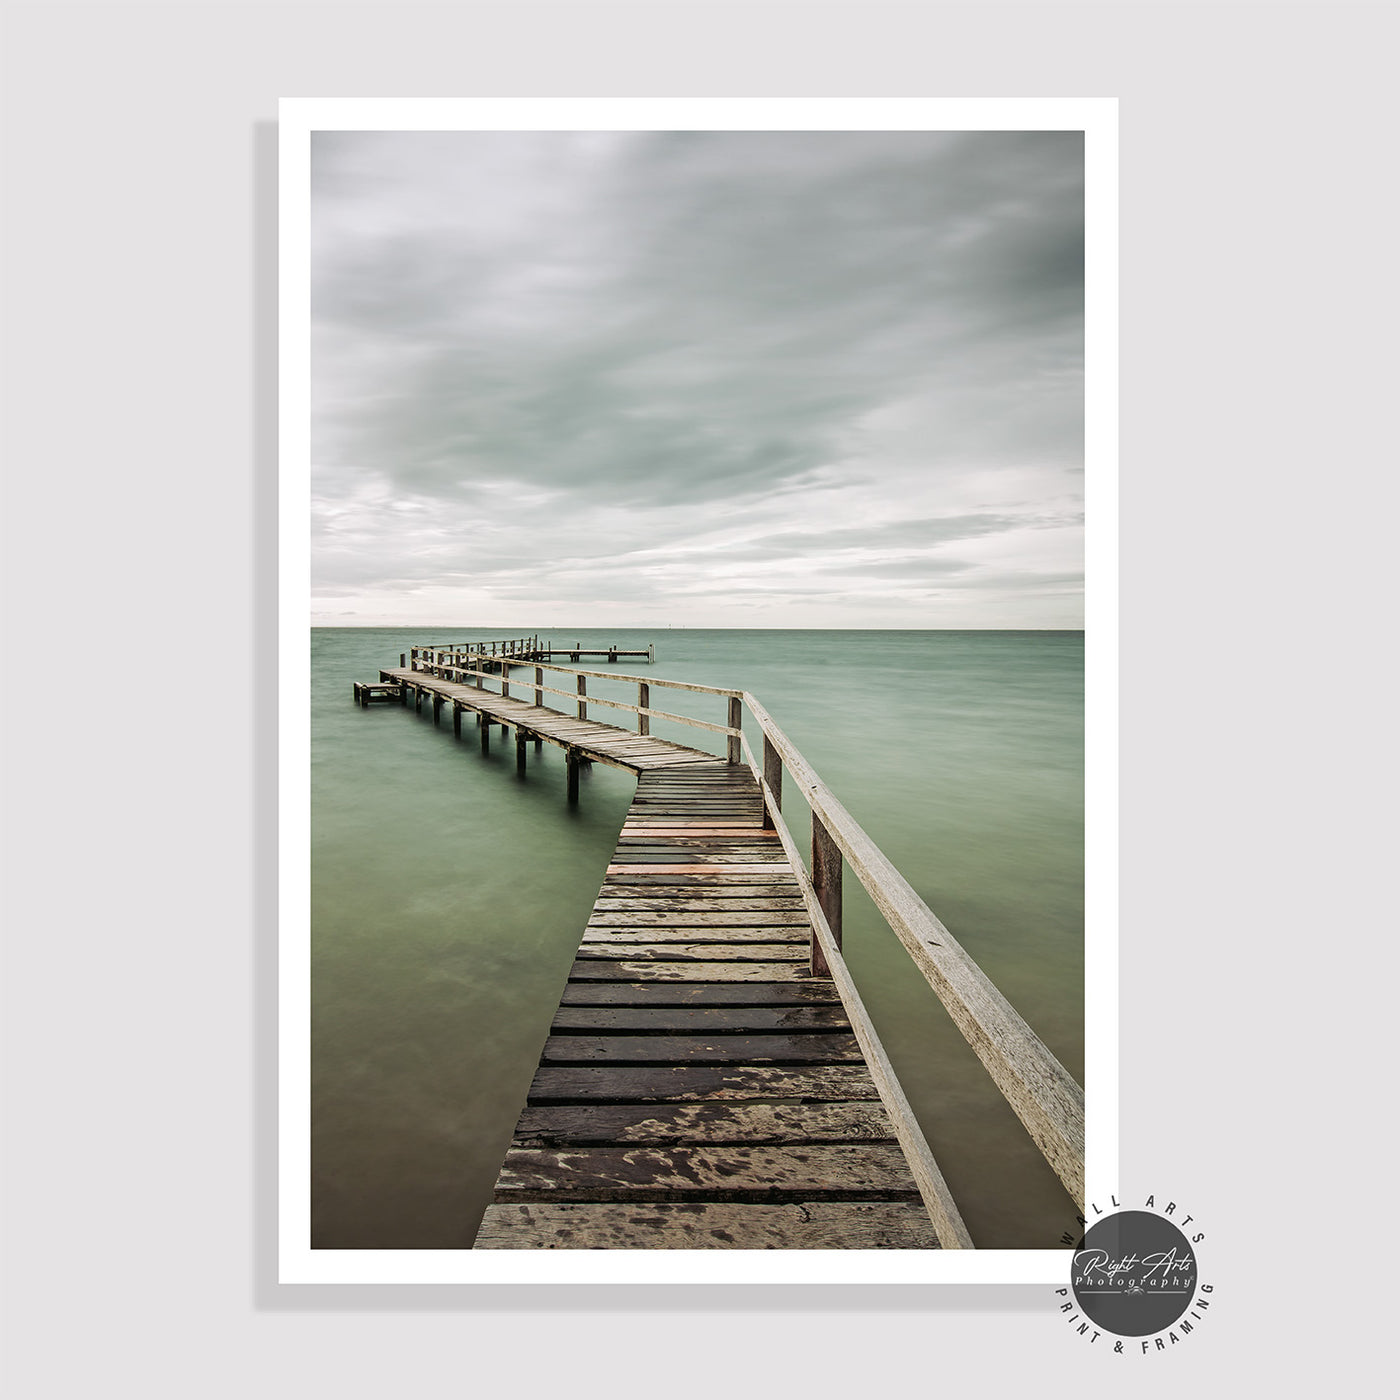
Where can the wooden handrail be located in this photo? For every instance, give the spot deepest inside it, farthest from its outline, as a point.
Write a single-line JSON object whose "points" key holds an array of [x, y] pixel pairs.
{"points": [[731, 731], [1043, 1094]]}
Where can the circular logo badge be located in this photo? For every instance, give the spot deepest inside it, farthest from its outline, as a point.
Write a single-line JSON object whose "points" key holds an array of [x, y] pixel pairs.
{"points": [[1134, 1273]]}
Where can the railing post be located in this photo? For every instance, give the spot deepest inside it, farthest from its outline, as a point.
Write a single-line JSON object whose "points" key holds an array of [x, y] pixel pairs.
{"points": [[582, 690], [826, 882], [773, 777], [505, 680], [539, 682], [643, 700], [736, 720]]}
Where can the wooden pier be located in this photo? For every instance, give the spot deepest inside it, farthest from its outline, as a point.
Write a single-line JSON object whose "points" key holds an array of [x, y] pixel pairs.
{"points": [[711, 1078], [491, 655]]}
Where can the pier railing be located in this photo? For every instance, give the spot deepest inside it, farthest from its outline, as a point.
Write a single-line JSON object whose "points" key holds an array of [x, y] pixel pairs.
{"points": [[454, 666], [1043, 1094]]}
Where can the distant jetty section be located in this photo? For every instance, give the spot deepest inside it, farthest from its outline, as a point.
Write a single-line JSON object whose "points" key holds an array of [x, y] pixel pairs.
{"points": [[489, 655], [712, 1078]]}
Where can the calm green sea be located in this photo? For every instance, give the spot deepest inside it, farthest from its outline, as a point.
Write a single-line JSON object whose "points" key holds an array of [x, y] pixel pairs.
{"points": [[449, 895]]}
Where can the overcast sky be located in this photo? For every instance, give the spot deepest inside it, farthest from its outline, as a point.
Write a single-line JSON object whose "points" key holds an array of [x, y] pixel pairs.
{"points": [[719, 380]]}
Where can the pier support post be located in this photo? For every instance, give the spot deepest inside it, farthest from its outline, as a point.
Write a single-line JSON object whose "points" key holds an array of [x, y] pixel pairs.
{"points": [[485, 734], [520, 741], [437, 709], [571, 766], [773, 777], [736, 720], [417, 699], [456, 720], [826, 881], [643, 701]]}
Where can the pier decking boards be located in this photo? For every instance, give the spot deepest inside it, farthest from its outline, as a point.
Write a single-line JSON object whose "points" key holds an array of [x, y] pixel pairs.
{"points": [[585, 738], [699, 1088]]}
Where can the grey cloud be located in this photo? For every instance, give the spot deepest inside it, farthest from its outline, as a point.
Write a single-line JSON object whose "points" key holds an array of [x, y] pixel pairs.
{"points": [[522, 331]]}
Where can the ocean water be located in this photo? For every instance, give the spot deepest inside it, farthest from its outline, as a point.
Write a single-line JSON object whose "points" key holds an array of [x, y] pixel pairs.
{"points": [[449, 895]]}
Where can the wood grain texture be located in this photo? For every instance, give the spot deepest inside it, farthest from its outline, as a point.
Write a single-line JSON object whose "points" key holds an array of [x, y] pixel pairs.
{"points": [[629, 969], [653, 993], [831, 1048], [870, 1171], [668, 1125], [707, 1020], [799, 1225], [761, 933], [684, 1083]]}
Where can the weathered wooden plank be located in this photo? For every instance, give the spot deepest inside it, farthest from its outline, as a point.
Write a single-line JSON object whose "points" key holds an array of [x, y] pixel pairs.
{"points": [[692, 804], [737, 841], [674, 790], [702, 784], [808, 993], [697, 805], [631, 969], [762, 954], [682, 902], [662, 1125], [869, 1171], [695, 868], [712, 880], [612, 936], [827, 1048], [668, 826], [705, 1020], [707, 1225], [687, 1083], [699, 918]]}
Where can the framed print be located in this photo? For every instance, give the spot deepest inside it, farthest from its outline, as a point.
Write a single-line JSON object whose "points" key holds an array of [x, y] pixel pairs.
{"points": [[697, 720]]}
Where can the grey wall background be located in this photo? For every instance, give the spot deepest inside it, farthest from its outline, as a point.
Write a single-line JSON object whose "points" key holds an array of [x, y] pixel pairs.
{"points": [[1258, 292]]}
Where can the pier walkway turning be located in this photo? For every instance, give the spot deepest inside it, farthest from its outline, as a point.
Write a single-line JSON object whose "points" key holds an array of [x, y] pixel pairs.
{"points": [[579, 736], [711, 1078]]}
